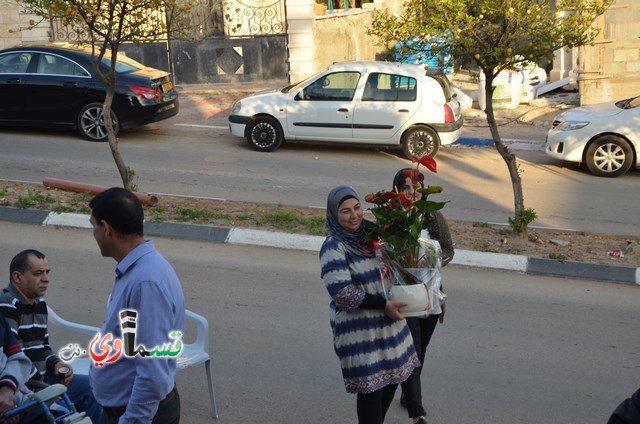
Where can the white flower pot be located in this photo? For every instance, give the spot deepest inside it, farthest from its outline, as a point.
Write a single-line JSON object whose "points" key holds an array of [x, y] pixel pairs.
{"points": [[419, 300]]}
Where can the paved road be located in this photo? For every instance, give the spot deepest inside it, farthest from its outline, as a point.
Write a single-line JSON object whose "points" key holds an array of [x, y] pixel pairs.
{"points": [[172, 158], [513, 348]]}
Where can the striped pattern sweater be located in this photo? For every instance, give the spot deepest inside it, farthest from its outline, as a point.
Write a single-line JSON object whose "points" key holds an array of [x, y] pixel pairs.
{"points": [[29, 324], [374, 350], [15, 367]]}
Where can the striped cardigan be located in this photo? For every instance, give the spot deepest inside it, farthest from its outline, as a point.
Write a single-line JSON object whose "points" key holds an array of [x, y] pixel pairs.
{"points": [[374, 350], [29, 324]]}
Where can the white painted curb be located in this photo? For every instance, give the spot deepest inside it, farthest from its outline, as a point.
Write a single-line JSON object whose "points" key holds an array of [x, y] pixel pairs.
{"points": [[273, 239], [490, 260], [76, 220]]}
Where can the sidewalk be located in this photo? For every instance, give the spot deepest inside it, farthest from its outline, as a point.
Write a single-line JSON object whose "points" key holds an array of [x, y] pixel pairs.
{"points": [[263, 238]]}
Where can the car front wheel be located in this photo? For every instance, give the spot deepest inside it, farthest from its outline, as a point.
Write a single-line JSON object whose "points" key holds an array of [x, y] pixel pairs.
{"points": [[420, 141], [91, 122], [264, 134], [609, 156]]}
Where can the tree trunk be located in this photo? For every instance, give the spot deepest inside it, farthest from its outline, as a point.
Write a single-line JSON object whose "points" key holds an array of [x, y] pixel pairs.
{"points": [[508, 157], [126, 177], [110, 81]]}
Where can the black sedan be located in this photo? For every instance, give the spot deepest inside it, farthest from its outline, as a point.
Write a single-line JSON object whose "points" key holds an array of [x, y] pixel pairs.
{"points": [[59, 86]]}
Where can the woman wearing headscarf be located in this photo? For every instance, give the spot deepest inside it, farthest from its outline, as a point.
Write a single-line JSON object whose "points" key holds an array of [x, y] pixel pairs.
{"points": [[408, 181], [370, 335]]}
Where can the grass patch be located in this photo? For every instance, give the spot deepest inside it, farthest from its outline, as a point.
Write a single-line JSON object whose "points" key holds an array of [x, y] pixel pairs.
{"points": [[245, 217], [3, 193], [284, 220], [558, 257], [197, 214], [158, 214], [34, 199], [280, 219], [219, 214], [79, 203]]}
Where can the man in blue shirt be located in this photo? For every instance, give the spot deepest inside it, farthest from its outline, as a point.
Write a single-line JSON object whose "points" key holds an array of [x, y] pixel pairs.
{"points": [[138, 387]]}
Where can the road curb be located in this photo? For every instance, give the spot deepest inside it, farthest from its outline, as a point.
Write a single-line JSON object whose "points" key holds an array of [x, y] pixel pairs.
{"points": [[242, 236]]}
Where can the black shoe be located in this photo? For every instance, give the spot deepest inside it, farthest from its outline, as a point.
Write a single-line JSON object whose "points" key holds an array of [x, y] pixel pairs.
{"points": [[422, 420], [403, 401]]}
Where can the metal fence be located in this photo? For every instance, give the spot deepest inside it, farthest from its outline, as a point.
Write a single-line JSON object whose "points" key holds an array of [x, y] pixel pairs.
{"points": [[209, 18], [226, 41]]}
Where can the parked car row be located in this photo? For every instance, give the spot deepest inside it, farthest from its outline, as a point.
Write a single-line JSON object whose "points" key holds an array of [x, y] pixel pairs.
{"points": [[59, 86], [399, 105]]}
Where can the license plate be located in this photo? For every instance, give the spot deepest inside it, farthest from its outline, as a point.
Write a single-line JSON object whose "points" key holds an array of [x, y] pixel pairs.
{"points": [[167, 107], [167, 86]]}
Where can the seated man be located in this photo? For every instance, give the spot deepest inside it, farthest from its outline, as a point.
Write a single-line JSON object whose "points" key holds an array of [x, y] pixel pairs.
{"points": [[15, 369], [26, 312]]}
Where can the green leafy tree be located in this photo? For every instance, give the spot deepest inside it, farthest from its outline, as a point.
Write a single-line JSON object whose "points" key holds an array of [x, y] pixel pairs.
{"points": [[108, 24], [496, 35]]}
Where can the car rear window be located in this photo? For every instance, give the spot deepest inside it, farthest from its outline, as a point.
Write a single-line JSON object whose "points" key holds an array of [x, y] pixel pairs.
{"points": [[50, 64], [443, 81], [124, 65], [389, 87]]}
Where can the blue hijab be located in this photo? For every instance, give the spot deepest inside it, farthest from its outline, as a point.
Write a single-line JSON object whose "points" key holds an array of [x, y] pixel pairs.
{"points": [[355, 242]]}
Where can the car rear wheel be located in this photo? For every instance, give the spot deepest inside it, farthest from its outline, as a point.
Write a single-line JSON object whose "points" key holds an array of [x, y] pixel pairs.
{"points": [[91, 122], [420, 141], [609, 156], [264, 134]]}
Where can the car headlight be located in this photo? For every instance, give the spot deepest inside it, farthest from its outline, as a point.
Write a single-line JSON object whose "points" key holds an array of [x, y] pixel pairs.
{"points": [[236, 107], [572, 125]]}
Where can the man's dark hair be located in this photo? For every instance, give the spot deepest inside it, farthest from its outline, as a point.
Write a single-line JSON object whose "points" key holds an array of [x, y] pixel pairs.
{"points": [[20, 262], [120, 208]]}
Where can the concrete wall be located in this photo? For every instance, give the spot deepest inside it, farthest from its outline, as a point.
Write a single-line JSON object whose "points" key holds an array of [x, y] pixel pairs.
{"points": [[317, 41], [14, 26], [341, 36], [9, 22], [609, 69]]}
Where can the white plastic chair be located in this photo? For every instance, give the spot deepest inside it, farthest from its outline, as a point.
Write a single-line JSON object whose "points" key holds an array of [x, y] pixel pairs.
{"points": [[192, 354]]}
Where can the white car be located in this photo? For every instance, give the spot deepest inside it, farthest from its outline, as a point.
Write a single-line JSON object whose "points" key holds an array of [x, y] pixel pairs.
{"points": [[372, 103], [605, 136]]}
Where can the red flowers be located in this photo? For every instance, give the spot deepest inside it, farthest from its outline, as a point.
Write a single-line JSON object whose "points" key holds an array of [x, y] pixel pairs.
{"points": [[400, 219], [383, 197], [426, 161]]}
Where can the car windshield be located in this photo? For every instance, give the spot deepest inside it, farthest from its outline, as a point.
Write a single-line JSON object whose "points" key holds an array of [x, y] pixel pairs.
{"points": [[629, 103], [290, 88]]}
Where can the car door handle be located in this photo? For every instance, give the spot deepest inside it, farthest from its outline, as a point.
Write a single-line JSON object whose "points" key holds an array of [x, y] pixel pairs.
{"points": [[13, 81], [70, 84], [343, 110], [403, 110]]}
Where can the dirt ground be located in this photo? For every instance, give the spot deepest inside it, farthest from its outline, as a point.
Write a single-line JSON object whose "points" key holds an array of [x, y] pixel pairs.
{"points": [[477, 236]]}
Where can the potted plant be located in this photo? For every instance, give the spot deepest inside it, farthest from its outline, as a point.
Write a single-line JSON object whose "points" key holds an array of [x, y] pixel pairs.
{"points": [[411, 263]]}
